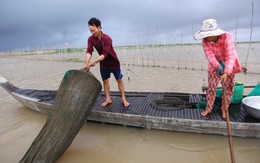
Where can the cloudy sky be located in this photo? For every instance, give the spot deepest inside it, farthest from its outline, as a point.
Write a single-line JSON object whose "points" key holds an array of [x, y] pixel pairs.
{"points": [[41, 24]]}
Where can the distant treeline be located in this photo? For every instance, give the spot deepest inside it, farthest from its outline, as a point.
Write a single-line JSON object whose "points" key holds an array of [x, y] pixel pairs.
{"points": [[83, 50], [71, 50]]}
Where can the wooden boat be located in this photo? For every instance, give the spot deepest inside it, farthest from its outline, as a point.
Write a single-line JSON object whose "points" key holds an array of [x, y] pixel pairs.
{"points": [[152, 110]]}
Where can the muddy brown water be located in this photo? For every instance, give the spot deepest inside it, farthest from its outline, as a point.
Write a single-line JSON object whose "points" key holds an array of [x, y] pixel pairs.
{"points": [[97, 142]]}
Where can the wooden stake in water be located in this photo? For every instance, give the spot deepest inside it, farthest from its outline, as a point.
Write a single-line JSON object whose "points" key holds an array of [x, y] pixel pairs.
{"points": [[250, 34], [236, 32]]}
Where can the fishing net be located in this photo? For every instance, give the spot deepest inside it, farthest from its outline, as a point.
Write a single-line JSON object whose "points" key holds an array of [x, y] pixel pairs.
{"points": [[255, 91], [236, 97]]}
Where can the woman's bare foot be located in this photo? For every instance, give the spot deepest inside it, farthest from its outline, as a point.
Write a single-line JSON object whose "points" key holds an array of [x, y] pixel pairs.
{"points": [[206, 112], [106, 103], [224, 116]]}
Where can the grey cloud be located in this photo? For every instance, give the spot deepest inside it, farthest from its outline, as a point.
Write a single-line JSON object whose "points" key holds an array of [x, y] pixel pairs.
{"points": [[30, 23]]}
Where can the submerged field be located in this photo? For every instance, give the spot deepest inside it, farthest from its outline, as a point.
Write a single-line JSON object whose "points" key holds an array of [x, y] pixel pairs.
{"points": [[190, 56]]}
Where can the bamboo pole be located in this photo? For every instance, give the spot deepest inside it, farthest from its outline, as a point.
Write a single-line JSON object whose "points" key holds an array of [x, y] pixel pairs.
{"points": [[236, 32], [228, 124], [250, 34]]}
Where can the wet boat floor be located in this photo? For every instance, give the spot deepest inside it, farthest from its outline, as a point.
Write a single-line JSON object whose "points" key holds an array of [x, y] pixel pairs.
{"points": [[142, 103]]}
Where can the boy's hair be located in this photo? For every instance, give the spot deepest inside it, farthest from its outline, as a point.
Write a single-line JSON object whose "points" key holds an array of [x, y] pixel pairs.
{"points": [[94, 22]]}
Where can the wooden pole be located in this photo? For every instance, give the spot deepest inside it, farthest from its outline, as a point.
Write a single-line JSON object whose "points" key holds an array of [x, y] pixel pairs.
{"points": [[236, 33], [228, 125], [75, 98], [250, 39]]}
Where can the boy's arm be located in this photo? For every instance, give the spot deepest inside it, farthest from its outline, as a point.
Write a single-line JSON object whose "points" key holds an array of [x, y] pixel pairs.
{"points": [[87, 65], [99, 58]]}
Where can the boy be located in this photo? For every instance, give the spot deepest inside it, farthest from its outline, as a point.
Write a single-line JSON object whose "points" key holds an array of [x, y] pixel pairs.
{"points": [[108, 59]]}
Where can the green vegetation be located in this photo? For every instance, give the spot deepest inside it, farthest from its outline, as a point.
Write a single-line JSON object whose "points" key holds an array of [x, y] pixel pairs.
{"points": [[73, 60], [70, 50], [245, 42]]}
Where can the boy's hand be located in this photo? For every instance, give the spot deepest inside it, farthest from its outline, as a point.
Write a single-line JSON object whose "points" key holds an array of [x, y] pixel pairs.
{"points": [[86, 67], [93, 63]]}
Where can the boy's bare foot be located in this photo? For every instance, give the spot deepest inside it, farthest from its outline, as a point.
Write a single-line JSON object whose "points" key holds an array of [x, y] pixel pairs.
{"points": [[206, 112], [106, 103], [126, 104]]}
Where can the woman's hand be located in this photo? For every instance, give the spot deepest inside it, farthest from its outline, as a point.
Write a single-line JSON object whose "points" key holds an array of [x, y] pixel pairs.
{"points": [[223, 77], [220, 71]]}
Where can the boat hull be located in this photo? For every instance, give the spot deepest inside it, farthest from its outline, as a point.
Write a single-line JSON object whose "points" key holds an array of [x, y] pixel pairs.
{"points": [[142, 114]]}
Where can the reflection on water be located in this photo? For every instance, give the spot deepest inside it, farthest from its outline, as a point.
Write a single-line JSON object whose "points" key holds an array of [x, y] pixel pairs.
{"points": [[98, 142]]}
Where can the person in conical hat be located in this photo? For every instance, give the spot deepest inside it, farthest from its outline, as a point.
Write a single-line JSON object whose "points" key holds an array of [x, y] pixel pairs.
{"points": [[219, 49]]}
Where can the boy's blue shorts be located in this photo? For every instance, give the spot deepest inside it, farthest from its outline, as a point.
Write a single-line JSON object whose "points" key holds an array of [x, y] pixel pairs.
{"points": [[105, 73]]}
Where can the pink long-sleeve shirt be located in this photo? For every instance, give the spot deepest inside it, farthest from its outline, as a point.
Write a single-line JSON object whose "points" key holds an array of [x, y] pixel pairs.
{"points": [[223, 50]]}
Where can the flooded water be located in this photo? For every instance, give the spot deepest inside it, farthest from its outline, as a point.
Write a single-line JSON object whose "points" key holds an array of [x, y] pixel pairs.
{"points": [[110, 143]]}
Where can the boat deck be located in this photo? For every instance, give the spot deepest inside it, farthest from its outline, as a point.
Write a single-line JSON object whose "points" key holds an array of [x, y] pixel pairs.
{"points": [[142, 103]]}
